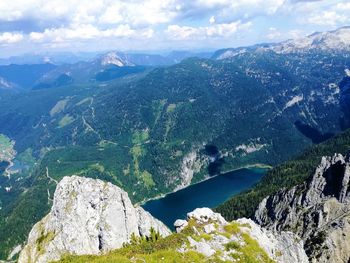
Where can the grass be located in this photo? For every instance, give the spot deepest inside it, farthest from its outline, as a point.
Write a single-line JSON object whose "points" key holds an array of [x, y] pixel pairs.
{"points": [[140, 137], [251, 252], [137, 151], [66, 120], [157, 107], [166, 249], [233, 245], [147, 179], [6, 148], [83, 101], [59, 107], [161, 250], [171, 107], [166, 256], [44, 240], [5, 142]]}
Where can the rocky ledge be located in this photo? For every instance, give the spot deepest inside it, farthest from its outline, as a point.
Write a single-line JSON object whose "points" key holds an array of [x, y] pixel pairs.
{"points": [[88, 216], [242, 240], [318, 211]]}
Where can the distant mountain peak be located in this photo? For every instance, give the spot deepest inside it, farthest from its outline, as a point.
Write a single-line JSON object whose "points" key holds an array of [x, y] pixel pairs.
{"points": [[113, 58], [336, 40], [4, 84]]}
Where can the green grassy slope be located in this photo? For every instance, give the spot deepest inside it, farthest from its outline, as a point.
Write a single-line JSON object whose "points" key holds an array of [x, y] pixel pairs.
{"points": [[154, 250]]}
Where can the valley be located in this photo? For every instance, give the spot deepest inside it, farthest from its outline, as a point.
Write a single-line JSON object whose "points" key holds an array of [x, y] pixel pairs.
{"points": [[154, 129], [209, 193]]}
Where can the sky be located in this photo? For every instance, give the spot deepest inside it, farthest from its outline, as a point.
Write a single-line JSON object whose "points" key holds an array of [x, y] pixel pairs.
{"points": [[38, 26]]}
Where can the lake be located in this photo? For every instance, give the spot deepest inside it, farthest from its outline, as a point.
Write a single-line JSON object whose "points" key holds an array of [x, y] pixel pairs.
{"points": [[209, 193]]}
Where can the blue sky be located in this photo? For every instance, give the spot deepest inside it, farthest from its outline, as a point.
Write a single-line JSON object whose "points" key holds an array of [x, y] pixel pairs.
{"points": [[32, 26]]}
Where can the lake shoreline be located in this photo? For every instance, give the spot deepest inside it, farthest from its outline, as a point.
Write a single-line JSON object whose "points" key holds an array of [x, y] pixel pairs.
{"points": [[249, 166]]}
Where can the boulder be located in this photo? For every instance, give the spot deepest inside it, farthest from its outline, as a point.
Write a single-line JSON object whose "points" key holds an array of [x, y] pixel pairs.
{"points": [[180, 225]]}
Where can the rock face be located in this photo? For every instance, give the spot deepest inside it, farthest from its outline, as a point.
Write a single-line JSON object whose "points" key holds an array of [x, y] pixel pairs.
{"points": [[191, 164], [213, 235], [317, 211], [88, 216], [113, 58]]}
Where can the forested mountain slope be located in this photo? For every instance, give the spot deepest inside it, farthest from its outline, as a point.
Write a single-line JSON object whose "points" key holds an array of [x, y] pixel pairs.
{"points": [[286, 175], [153, 132]]}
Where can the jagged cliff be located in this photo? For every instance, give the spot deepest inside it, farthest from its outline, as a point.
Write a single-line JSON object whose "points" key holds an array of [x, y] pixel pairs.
{"points": [[88, 216], [318, 211]]}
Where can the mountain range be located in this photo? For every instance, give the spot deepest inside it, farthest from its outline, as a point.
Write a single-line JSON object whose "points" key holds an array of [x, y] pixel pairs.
{"points": [[331, 41], [154, 128]]}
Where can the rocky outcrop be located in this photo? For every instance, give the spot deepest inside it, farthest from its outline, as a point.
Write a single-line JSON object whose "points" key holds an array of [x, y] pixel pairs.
{"points": [[318, 211], [88, 216], [213, 235], [191, 164]]}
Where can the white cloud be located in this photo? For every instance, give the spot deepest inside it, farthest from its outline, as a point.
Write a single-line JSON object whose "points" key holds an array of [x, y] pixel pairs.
{"points": [[10, 38], [177, 32], [275, 34], [135, 12], [86, 32], [212, 20], [330, 13], [331, 18], [57, 22], [343, 6], [112, 15]]}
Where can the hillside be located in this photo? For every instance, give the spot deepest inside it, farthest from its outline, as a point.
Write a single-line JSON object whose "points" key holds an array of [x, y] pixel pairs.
{"points": [[316, 210], [286, 175], [22, 76]]}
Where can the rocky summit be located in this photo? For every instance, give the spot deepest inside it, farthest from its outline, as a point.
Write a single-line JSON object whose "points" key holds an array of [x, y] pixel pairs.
{"points": [[229, 241], [318, 211], [88, 216]]}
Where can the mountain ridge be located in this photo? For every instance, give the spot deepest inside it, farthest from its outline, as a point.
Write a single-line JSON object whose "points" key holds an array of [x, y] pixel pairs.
{"points": [[317, 211], [332, 41]]}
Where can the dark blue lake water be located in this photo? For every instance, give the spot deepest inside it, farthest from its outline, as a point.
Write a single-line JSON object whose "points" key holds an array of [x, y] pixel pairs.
{"points": [[209, 193]]}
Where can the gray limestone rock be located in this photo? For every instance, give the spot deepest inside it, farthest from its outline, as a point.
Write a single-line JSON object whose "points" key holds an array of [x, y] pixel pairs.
{"points": [[318, 211], [212, 224], [88, 216]]}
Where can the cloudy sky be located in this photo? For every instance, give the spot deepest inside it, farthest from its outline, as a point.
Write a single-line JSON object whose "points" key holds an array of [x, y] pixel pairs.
{"points": [[92, 25]]}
